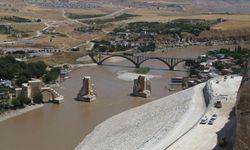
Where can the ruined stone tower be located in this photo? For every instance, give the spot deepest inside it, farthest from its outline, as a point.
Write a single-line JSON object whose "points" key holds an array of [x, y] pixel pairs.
{"points": [[87, 92], [142, 87]]}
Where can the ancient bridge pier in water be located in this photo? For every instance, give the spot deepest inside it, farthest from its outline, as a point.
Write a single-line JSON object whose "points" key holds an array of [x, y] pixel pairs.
{"points": [[138, 60]]}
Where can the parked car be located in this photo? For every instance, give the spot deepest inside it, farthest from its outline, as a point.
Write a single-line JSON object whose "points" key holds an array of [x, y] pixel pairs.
{"points": [[214, 117], [218, 104], [210, 122], [204, 120]]}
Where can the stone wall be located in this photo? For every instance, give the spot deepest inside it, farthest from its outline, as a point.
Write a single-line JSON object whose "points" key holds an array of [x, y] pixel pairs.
{"points": [[242, 139]]}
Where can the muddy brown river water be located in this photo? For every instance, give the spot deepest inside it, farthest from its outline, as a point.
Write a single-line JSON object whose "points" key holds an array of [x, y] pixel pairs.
{"points": [[62, 127]]}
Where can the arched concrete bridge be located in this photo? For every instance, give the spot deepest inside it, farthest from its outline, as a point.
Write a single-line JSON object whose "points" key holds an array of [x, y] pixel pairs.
{"points": [[138, 60]]}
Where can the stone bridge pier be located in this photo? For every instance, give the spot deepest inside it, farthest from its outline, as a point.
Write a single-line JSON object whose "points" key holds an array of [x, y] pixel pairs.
{"points": [[87, 93], [142, 87]]}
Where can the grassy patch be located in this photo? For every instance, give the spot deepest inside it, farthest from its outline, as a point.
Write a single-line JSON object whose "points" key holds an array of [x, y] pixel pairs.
{"points": [[15, 19], [122, 17], [143, 70], [83, 16]]}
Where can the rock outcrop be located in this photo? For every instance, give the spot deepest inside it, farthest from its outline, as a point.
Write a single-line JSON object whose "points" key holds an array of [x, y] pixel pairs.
{"points": [[242, 139]]}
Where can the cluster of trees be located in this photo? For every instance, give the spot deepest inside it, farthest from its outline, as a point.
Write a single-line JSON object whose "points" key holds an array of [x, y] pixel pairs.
{"points": [[238, 53], [143, 70], [11, 68], [52, 75], [124, 16], [105, 46], [6, 29], [194, 26], [21, 101], [23, 72], [83, 16], [16, 19], [147, 47], [89, 28]]}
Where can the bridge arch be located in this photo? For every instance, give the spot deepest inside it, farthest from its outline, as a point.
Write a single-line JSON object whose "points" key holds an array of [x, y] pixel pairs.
{"points": [[126, 57], [180, 61], [157, 58], [50, 92]]}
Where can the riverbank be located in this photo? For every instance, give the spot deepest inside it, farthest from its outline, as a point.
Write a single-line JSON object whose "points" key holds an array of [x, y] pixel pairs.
{"points": [[166, 121], [13, 113]]}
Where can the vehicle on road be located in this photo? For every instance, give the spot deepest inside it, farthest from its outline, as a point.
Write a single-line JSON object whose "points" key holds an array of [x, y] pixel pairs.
{"points": [[217, 104], [210, 122], [204, 120], [214, 117]]}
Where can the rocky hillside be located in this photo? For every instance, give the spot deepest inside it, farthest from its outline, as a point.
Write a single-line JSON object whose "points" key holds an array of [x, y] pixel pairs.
{"points": [[242, 141]]}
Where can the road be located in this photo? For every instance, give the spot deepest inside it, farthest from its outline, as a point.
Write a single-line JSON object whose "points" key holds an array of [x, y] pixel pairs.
{"points": [[204, 136]]}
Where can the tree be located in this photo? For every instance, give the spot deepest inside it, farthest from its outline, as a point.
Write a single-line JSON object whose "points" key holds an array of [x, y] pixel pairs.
{"points": [[52, 75], [38, 99], [24, 99], [37, 69], [17, 103], [219, 66], [22, 79]]}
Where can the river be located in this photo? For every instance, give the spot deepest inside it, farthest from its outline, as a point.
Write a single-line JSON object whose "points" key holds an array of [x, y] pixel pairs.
{"points": [[62, 127]]}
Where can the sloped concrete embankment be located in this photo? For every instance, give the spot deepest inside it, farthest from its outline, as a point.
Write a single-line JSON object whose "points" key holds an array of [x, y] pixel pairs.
{"points": [[152, 126]]}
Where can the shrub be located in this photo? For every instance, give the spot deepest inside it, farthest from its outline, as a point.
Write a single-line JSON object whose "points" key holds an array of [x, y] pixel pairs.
{"points": [[143, 70], [38, 99]]}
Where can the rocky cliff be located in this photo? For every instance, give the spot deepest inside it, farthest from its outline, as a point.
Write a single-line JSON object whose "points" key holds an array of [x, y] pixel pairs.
{"points": [[242, 140]]}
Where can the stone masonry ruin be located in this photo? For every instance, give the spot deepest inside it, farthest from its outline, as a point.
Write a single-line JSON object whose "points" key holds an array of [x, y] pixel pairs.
{"points": [[87, 93], [142, 87]]}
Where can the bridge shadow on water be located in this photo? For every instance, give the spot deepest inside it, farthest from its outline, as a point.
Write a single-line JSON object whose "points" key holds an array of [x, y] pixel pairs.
{"points": [[152, 68]]}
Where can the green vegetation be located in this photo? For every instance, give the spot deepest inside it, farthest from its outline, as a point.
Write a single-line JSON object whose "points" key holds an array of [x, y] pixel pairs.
{"points": [[38, 99], [239, 53], [6, 89], [6, 29], [124, 16], [52, 75], [194, 26], [89, 28], [15, 19], [4, 105], [83, 16], [143, 70], [23, 72], [20, 101], [105, 46], [147, 47]]}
